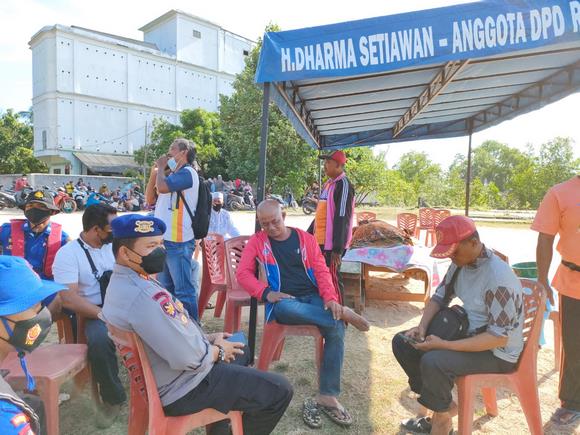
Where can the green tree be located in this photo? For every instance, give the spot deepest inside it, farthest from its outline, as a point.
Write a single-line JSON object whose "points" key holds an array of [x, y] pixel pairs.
{"points": [[199, 126], [16, 139], [416, 168], [367, 172], [290, 161], [397, 192]]}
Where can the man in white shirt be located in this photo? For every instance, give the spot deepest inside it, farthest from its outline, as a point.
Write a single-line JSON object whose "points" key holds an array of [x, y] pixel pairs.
{"points": [[176, 184], [80, 265], [221, 221]]}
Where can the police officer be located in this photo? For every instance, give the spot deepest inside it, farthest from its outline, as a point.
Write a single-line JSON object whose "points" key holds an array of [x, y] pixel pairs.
{"points": [[36, 238], [24, 324], [193, 370]]}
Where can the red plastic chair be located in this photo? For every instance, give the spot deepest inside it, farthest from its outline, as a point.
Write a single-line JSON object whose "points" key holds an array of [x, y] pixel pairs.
{"points": [[146, 412], [236, 296], [407, 222], [273, 342], [365, 216], [425, 222], [51, 366], [214, 274], [524, 381], [438, 217]]}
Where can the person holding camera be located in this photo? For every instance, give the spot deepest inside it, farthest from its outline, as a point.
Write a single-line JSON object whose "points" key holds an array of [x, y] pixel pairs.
{"points": [[484, 335], [173, 189]]}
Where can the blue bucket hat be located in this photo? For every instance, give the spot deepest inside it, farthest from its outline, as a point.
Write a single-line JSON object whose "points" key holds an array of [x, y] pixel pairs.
{"points": [[21, 287]]}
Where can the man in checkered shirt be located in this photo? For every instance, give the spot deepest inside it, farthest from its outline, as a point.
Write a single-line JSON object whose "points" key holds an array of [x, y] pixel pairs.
{"points": [[491, 295]]}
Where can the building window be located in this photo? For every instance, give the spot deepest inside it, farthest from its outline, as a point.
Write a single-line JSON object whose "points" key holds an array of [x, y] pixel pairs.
{"points": [[246, 52], [44, 139], [56, 171], [196, 34]]}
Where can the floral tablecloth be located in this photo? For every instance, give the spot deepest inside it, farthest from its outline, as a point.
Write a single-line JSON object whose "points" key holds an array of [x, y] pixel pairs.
{"points": [[400, 258]]}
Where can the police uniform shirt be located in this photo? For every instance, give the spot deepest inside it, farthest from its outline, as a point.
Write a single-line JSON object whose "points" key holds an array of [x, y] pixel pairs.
{"points": [[178, 350]]}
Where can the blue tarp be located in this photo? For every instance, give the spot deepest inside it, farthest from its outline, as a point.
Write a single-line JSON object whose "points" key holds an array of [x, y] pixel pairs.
{"points": [[349, 84]]}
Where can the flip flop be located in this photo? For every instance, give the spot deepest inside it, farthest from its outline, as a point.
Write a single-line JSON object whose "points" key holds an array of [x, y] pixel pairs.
{"points": [[338, 416], [209, 306], [417, 424], [311, 413], [560, 412]]}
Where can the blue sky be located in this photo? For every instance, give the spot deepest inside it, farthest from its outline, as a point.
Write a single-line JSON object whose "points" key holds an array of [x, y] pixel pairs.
{"points": [[23, 18]]}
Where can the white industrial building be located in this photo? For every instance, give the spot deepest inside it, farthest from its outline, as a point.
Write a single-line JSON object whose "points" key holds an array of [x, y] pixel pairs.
{"points": [[95, 95]]}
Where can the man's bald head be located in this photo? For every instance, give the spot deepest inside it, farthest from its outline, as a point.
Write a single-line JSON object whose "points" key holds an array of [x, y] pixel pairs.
{"points": [[269, 206], [271, 218]]}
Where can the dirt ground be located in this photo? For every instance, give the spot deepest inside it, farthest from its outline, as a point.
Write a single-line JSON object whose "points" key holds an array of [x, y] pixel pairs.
{"points": [[375, 390]]}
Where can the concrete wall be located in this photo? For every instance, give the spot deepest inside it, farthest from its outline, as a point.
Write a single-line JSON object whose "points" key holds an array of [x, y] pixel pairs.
{"points": [[39, 180]]}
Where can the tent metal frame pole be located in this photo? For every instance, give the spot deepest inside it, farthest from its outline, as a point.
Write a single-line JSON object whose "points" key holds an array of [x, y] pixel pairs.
{"points": [[319, 173], [468, 175], [261, 196]]}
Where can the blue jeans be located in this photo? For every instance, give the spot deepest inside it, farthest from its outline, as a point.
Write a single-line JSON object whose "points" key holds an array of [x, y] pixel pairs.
{"points": [[177, 276], [309, 310]]}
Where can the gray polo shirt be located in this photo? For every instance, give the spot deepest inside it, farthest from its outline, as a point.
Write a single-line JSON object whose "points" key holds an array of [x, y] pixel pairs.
{"points": [[178, 350], [493, 297]]}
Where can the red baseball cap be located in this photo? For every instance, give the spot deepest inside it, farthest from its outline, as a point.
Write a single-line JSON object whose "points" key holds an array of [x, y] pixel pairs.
{"points": [[338, 156], [449, 233]]}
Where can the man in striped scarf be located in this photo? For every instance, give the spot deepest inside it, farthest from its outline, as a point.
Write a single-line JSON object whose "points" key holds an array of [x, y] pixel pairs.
{"points": [[332, 225]]}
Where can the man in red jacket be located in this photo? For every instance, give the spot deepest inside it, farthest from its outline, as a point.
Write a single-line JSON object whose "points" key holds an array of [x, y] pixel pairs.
{"points": [[299, 291]]}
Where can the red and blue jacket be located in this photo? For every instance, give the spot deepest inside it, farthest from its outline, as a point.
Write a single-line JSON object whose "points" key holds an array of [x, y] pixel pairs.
{"points": [[258, 251]]}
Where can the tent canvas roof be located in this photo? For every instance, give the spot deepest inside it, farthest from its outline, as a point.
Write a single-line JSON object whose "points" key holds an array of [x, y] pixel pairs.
{"points": [[429, 74]]}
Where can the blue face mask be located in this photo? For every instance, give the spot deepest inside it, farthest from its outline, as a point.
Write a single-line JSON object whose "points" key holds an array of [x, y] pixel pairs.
{"points": [[172, 163]]}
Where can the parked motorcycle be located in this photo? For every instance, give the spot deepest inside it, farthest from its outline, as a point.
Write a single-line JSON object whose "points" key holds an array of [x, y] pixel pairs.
{"points": [[80, 196], [277, 198], [7, 199], [236, 202], [63, 201], [309, 204]]}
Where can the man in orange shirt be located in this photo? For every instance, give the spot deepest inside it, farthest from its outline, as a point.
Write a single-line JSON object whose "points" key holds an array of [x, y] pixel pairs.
{"points": [[559, 213]]}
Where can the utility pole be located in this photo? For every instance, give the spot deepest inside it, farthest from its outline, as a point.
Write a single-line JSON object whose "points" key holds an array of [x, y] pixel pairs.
{"points": [[145, 159]]}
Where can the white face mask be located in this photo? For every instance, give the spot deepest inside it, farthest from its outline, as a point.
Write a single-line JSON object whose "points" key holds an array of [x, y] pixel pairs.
{"points": [[172, 163]]}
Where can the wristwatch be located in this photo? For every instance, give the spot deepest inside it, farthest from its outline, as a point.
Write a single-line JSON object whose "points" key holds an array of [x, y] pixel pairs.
{"points": [[221, 354]]}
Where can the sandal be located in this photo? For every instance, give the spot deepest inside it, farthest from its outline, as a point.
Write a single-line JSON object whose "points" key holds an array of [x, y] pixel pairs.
{"points": [[209, 306], [417, 425], [311, 413], [339, 416], [559, 417]]}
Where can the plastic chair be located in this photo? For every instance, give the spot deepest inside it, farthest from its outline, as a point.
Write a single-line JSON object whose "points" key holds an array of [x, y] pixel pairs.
{"points": [[273, 342], [407, 222], [51, 366], [365, 216], [523, 382], [438, 217], [236, 296], [214, 274], [146, 412], [425, 223]]}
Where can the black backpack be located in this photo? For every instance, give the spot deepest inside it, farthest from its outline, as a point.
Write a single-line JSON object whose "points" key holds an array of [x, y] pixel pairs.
{"points": [[200, 220]]}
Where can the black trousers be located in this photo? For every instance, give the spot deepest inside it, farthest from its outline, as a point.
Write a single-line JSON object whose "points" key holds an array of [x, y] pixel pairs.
{"points": [[103, 359], [570, 369], [262, 396], [432, 374], [334, 271]]}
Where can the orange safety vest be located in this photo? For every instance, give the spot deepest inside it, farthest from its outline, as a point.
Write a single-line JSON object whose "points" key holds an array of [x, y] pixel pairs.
{"points": [[52, 244]]}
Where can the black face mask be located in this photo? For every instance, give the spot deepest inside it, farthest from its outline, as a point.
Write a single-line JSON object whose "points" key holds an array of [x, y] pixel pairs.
{"points": [[26, 335], [217, 207], [37, 216], [153, 262]]}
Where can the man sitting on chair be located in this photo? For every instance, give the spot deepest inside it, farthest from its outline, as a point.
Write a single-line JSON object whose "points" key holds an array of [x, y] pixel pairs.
{"points": [[300, 291], [190, 367], [492, 299]]}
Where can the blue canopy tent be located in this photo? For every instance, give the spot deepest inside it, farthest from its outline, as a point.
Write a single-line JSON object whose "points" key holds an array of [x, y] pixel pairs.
{"points": [[429, 74]]}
